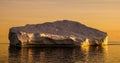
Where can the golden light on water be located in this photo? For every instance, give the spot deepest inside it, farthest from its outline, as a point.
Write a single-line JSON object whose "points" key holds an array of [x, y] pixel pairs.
{"points": [[53, 55]]}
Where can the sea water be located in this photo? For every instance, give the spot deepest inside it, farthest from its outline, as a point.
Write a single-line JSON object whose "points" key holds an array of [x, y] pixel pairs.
{"points": [[92, 54]]}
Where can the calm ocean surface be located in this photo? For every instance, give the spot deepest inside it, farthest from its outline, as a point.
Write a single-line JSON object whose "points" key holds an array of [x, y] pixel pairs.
{"points": [[105, 54]]}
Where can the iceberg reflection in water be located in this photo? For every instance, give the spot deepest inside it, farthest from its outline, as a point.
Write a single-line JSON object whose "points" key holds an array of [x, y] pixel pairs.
{"points": [[92, 54]]}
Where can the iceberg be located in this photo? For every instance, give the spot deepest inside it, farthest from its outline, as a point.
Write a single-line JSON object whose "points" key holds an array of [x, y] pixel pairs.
{"points": [[62, 32]]}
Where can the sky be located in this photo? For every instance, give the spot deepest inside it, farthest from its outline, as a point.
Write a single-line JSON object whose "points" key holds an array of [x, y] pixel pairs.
{"points": [[101, 14]]}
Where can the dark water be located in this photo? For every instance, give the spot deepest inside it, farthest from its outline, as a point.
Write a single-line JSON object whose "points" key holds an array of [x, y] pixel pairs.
{"points": [[105, 54]]}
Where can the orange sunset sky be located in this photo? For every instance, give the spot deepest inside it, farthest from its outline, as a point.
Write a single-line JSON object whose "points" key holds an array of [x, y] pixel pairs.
{"points": [[100, 14]]}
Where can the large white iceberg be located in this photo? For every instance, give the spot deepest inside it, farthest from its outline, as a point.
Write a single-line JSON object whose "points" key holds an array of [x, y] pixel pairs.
{"points": [[64, 32]]}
